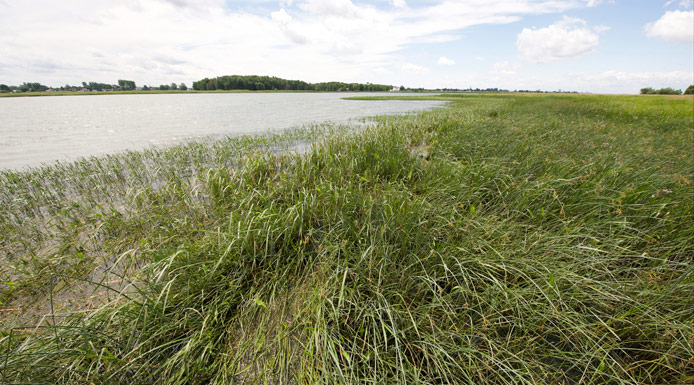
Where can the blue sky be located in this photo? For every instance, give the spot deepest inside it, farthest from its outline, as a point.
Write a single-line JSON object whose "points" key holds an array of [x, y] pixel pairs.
{"points": [[607, 46]]}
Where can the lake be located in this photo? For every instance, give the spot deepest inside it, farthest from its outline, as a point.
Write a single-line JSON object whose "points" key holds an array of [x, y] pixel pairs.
{"points": [[37, 130]]}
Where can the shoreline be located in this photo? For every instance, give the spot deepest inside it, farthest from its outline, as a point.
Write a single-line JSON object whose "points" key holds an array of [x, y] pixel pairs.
{"points": [[157, 92]]}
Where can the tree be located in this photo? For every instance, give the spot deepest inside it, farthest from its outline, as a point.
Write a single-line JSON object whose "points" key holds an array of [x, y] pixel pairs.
{"points": [[183, 87], [689, 90], [669, 91], [145, 88], [32, 87], [4, 88], [662, 91], [252, 82], [127, 85], [174, 86], [93, 86]]}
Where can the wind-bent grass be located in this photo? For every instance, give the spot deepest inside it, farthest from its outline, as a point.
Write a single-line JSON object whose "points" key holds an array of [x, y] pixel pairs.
{"points": [[505, 239]]}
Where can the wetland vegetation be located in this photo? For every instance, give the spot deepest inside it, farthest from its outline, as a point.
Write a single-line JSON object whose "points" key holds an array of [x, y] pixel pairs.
{"points": [[504, 239]]}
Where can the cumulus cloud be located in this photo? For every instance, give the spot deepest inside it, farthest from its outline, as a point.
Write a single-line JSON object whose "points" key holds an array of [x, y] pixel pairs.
{"points": [[677, 26], [567, 39], [444, 61], [285, 22], [313, 40]]}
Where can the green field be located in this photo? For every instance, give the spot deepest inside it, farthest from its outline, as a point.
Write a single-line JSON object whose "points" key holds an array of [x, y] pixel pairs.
{"points": [[503, 239]]}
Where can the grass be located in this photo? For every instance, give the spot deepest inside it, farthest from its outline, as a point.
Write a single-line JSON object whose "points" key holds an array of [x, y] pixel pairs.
{"points": [[505, 239]]}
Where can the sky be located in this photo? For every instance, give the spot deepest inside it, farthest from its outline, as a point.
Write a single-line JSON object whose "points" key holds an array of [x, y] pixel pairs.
{"points": [[600, 46]]}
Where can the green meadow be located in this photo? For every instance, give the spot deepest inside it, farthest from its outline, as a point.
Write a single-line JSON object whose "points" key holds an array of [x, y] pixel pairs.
{"points": [[502, 239]]}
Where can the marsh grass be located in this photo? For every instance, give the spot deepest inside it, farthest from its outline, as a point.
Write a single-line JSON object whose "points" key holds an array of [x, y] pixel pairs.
{"points": [[505, 239]]}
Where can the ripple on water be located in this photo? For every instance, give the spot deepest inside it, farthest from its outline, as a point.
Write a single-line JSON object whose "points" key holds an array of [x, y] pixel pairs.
{"points": [[38, 130]]}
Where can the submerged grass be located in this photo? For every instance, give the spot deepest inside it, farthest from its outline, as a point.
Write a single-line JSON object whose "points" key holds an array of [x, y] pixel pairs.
{"points": [[506, 239]]}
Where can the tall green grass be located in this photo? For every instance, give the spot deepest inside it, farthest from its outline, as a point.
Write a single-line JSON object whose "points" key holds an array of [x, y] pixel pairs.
{"points": [[506, 239]]}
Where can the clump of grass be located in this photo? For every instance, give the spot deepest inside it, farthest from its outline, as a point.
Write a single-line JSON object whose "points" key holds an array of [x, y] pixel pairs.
{"points": [[538, 239]]}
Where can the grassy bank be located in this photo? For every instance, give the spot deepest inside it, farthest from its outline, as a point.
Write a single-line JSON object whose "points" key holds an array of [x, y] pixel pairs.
{"points": [[504, 239]]}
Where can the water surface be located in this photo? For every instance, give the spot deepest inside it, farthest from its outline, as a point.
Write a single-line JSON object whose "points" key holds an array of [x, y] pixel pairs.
{"points": [[41, 130]]}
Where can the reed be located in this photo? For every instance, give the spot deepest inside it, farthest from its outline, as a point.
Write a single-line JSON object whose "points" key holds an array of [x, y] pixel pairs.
{"points": [[504, 239]]}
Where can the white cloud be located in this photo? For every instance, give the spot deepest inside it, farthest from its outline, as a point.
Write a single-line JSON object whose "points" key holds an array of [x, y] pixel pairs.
{"points": [[340, 8], [181, 40], [180, 3], [682, 3], [164, 41], [567, 39], [594, 3], [413, 68], [444, 61], [399, 3], [601, 28], [677, 26], [281, 17], [286, 23]]}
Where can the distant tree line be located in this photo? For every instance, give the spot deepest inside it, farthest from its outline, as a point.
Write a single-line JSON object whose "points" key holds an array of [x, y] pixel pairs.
{"points": [[482, 90], [472, 90], [94, 86], [689, 90], [25, 87], [662, 91], [260, 83], [123, 85], [173, 86]]}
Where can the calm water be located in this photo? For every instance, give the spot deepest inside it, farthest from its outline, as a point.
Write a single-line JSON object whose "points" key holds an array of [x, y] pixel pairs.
{"points": [[45, 129]]}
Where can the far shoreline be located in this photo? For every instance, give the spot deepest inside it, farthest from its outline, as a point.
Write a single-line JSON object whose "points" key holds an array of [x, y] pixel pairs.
{"points": [[393, 93], [155, 92]]}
